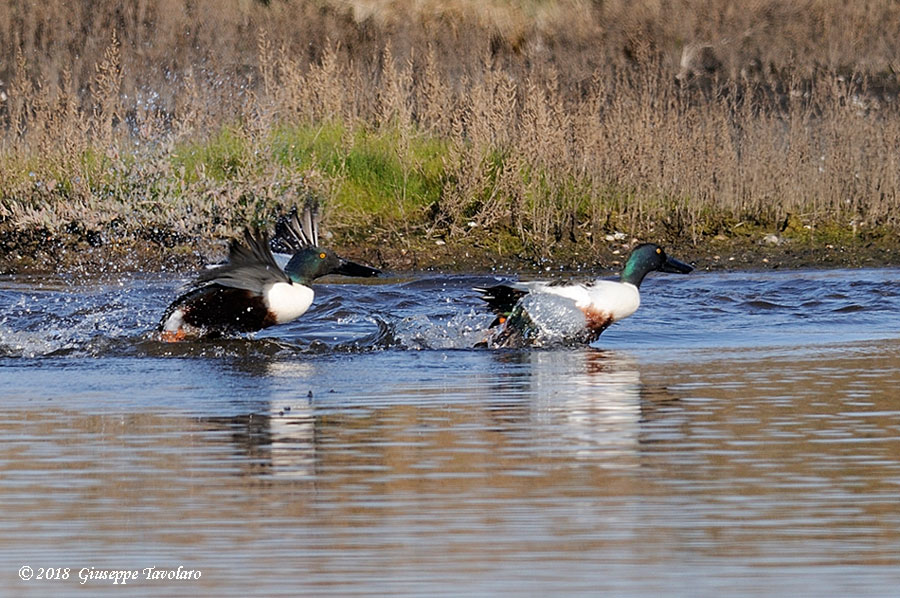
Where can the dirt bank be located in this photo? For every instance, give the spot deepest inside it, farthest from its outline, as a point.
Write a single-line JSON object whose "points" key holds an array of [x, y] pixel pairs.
{"points": [[37, 252]]}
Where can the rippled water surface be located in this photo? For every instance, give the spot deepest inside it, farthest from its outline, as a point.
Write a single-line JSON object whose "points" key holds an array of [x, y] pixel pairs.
{"points": [[739, 435]]}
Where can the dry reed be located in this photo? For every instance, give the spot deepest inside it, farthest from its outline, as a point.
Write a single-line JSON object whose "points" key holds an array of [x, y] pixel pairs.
{"points": [[551, 121]]}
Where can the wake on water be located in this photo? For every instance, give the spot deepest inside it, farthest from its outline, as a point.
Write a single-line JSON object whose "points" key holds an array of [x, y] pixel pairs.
{"points": [[54, 316], [49, 318]]}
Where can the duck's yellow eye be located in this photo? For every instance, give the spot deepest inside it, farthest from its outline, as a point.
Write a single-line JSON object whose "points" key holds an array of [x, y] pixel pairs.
{"points": [[659, 250], [322, 255]]}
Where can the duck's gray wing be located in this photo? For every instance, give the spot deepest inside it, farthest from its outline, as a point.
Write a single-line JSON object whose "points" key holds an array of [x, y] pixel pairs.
{"points": [[250, 265]]}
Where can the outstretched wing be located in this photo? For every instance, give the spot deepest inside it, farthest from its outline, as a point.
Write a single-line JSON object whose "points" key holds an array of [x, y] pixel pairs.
{"points": [[296, 231], [250, 265]]}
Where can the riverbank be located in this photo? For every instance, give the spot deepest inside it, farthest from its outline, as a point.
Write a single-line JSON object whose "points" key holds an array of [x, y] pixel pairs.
{"points": [[71, 253], [451, 139]]}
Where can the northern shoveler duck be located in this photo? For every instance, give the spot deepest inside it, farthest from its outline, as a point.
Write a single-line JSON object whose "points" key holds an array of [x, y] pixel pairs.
{"points": [[539, 313], [251, 291]]}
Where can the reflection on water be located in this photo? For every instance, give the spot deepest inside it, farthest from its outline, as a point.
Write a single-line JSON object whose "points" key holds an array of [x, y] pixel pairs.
{"points": [[594, 397], [312, 462]]}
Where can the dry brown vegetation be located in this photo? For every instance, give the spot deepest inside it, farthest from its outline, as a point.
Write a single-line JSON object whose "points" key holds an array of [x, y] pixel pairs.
{"points": [[520, 125]]}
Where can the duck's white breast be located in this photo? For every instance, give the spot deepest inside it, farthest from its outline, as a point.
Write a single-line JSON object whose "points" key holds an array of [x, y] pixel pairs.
{"points": [[618, 299], [288, 301]]}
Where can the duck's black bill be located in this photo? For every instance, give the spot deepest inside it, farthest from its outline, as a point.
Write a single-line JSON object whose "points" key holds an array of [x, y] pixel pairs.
{"points": [[348, 268], [676, 266]]}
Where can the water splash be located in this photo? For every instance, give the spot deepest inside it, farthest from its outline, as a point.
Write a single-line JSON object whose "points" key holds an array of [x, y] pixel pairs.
{"points": [[459, 331], [54, 316], [557, 318]]}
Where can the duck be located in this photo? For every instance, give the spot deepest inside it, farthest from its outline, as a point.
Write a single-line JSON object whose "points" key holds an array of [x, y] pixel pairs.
{"points": [[251, 291], [542, 313], [296, 242]]}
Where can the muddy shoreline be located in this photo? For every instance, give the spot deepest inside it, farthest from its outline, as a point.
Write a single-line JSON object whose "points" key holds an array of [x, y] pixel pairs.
{"points": [[74, 254]]}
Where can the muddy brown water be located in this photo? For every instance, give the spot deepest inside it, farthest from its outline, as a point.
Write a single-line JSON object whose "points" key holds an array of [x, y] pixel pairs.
{"points": [[739, 435]]}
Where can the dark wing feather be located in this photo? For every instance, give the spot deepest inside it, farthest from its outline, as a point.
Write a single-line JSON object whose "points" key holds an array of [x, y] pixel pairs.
{"points": [[501, 298], [250, 265], [294, 231]]}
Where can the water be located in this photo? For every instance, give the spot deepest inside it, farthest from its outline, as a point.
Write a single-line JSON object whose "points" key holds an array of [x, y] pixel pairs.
{"points": [[738, 436]]}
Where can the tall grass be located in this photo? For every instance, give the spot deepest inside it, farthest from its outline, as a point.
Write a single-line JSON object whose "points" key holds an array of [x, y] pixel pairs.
{"points": [[549, 122]]}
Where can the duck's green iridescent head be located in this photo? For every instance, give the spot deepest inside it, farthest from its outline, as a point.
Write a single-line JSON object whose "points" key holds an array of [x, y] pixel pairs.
{"points": [[314, 262], [649, 257]]}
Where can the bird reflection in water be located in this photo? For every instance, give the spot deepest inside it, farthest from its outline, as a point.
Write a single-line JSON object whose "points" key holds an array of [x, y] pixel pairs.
{"points": [[571, 406], [593, 399]]}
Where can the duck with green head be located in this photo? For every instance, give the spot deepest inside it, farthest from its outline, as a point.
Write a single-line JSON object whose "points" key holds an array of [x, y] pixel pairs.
{"points": [[537, 313], [251, 291]]}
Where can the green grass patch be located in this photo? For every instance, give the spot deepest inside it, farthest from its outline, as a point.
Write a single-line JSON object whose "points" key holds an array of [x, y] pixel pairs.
{"points": [[222, 157], [375, 172], [26, 179]]}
